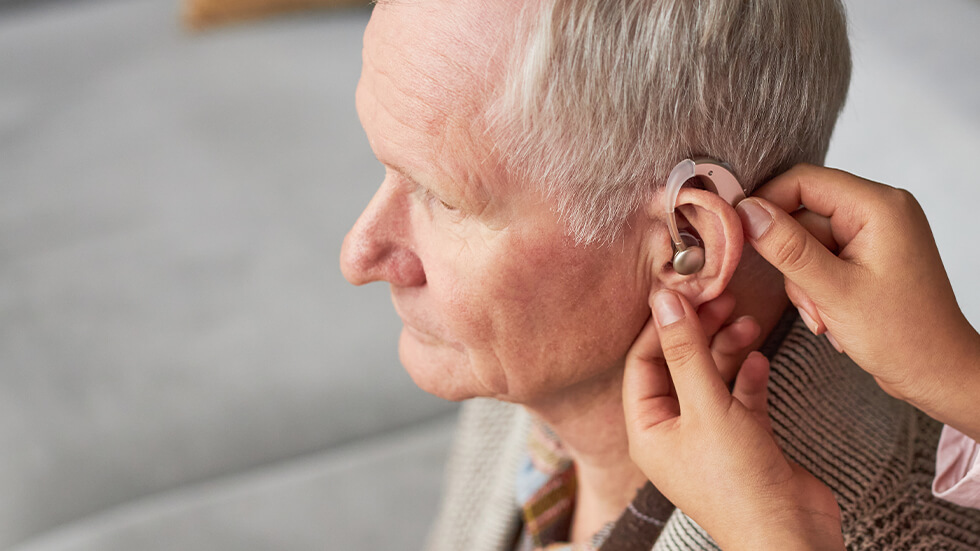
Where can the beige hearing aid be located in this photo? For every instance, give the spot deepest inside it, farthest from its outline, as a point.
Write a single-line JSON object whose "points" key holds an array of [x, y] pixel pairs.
{"points": [[717, 177]]}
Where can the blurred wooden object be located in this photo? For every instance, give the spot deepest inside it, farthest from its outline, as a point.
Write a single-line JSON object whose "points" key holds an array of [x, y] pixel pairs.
{"points": [[201, 14]]}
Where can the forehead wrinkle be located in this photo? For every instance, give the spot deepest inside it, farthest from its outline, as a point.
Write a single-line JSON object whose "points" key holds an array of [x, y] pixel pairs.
{"points": [[395, 89], [445, 52], [446, 147], [440, 65]]}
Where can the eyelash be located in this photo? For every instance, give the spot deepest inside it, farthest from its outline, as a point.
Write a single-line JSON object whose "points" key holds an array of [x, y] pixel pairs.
{"points": [[431, 199]]}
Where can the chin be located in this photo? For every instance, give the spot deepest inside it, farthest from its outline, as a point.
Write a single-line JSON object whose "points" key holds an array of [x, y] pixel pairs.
{"points": [[439, 370]]}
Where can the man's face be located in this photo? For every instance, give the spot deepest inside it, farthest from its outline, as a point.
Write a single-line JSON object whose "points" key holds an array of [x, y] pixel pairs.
{"points": [[496, 300]]}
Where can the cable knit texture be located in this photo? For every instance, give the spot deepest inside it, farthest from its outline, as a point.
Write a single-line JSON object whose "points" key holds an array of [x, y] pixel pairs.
{"points": [[876, 453]]}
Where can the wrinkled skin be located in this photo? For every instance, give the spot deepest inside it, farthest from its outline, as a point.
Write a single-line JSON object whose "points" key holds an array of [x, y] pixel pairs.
{"points": [[496, 299]]}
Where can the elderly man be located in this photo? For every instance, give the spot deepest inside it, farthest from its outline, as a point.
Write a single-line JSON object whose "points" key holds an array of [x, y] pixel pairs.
{"points": [[521, 229]]}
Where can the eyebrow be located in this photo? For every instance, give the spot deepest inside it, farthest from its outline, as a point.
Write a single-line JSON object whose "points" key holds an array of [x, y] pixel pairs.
{"points": [[406, 174], [403, 171], [449, 194]]}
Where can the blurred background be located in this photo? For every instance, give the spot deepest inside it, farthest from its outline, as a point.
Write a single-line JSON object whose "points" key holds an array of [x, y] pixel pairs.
{"points": [[182, 365]]}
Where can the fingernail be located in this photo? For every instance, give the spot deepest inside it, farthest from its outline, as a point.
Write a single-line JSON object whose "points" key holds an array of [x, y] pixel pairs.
{"points": [[755, 219], [810, 324], [667, 308], [834, 342]]}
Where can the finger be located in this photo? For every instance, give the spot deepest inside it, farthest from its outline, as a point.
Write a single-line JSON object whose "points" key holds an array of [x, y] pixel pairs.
{"points": [[808, 310], [647, 397], [693, 372], [751, 383], [819, 226], [751, 387], [714, 312], [732, 344], [785, 244], [842, 197]]}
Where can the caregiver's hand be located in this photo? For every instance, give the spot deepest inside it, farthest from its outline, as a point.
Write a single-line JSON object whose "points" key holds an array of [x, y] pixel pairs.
{"points": [[710, 451], [884, 298], [730, 341]]}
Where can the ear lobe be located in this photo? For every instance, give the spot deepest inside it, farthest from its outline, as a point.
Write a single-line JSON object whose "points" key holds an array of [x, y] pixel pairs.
{"points": [[716, 224]]}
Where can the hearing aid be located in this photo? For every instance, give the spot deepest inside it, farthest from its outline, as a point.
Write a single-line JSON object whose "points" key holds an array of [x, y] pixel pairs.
{"points": [[717, 177]]}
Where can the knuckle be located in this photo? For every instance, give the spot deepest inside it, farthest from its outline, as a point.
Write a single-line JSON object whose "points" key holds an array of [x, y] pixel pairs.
{"points": [[905, 201], [792, 253], [680, 351], [899, 208]]}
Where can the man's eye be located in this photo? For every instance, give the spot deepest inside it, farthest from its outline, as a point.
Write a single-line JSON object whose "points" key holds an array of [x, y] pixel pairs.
{"points": [[446, 205], [433, 200]]}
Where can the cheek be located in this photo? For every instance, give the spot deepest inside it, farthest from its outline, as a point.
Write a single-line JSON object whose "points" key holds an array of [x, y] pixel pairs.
{"points": [[538, 317]]}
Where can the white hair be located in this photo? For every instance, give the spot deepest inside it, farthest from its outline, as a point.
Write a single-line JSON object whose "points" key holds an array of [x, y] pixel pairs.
{"points": [[604, 97]]}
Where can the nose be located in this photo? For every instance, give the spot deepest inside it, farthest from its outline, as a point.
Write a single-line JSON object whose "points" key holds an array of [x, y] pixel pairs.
{"points": [[379, 246]]}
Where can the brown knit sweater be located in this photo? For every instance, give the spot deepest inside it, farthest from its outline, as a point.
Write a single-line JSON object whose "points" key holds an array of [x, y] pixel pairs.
{"points": [[876, 453]]}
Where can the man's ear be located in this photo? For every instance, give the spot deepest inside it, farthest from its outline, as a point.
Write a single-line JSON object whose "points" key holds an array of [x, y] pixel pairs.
{"points": [[716, 225]]}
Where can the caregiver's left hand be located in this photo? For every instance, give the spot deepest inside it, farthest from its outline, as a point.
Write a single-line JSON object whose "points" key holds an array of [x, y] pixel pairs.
{"points": [[711, 452]]}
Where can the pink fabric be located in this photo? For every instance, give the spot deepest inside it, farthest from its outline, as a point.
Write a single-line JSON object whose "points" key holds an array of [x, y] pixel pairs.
{"points": [[957, 469]]}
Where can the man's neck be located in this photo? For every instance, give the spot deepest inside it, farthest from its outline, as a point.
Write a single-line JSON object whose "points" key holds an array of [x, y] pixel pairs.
{"points": [[589, 421], [588, 417]]}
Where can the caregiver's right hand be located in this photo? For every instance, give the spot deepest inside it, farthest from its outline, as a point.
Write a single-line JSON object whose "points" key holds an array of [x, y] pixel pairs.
{"points": [[861, 264], [711, 451]]}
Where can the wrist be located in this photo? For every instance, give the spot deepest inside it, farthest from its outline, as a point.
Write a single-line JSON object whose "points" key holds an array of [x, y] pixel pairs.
{"points": [[956, 385], [790, 528], [805, 533], [790, 537]]}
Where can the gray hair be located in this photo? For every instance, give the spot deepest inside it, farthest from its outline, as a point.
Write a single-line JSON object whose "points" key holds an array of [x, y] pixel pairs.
{"points": [[604, 97]]}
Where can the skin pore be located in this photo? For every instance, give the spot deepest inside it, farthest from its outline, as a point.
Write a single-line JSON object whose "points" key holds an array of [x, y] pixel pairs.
{"points": [[496, 298]]}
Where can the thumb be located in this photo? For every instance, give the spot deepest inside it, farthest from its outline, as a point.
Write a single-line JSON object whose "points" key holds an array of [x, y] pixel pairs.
{"points": [[695, 376], [791, 249]]}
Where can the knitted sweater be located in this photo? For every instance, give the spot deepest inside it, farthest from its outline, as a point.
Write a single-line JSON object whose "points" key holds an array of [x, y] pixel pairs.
{"points": [[877, 455]]}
